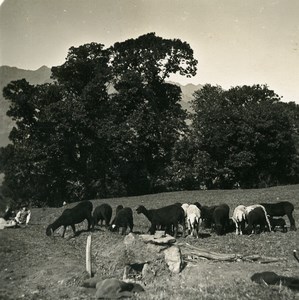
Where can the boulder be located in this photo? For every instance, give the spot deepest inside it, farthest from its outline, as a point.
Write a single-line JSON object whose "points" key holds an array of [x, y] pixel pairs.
{"points": [[173, 259]]}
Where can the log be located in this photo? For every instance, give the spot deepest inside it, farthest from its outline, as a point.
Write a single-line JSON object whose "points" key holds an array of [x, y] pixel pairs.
{"points": [[195, 251], [263, 259], [191, 250], [88, 256]]}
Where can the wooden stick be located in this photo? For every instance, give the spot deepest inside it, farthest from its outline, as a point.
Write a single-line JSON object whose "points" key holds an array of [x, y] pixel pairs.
{"points": [[88, 256], [295, 255]]}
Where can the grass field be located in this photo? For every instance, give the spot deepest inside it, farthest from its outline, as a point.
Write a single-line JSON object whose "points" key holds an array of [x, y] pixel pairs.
{"points": [[33, 266]]}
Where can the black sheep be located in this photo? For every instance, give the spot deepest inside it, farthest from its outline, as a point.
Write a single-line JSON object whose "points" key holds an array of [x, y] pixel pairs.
{"points": [[123, 219], [198, 205], [280, 209], [166, 217], [207, 215], [220, 218], [102, 213], [118, 208], [72, 216], [256, 217]]}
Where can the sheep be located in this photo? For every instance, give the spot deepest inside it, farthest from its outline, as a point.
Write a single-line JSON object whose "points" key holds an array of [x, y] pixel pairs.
{"points": [[168, 216], [185, 207], [118, 208], [193, 219], [252, 207], [207, 215], [239, 218], [278, 222], [197, 204], [102, 213], [256, 217], [220, 218], [72, 216], [123, 219], [280, 209]]}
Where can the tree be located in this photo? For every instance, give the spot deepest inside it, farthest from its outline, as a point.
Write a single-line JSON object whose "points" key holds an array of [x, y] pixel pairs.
{"points": [[247, 132], [104, 127], [148, 108]]}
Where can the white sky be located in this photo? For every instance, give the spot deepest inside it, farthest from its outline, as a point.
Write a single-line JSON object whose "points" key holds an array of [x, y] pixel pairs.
{"points": [[235, 41]]}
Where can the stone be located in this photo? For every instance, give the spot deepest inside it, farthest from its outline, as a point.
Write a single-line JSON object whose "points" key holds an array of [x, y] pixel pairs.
{"points": [[173, 259], [167, 239]]}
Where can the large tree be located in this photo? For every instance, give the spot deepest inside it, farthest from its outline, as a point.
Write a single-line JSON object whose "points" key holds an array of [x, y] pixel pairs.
{"points": [[105, 127], [248, 133]]}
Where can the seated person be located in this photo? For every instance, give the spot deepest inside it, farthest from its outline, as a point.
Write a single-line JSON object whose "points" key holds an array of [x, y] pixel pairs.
{"points": [[23, 216]]}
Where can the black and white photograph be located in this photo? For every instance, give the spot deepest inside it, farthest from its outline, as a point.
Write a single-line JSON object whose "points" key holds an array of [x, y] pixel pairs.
{"points": [[149, 149]]}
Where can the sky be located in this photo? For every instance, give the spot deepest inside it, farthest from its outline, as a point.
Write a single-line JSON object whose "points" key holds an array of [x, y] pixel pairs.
{"points": [[236, 42]]}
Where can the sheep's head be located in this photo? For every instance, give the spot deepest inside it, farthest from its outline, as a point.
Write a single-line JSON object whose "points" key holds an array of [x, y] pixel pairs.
{"points": [[49, 231], [140, 209]]}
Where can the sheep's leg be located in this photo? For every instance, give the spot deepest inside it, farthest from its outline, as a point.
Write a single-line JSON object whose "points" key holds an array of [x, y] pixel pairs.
{"points": [[292, 221], [63, 231], [175, 229], [152, 229], [74, 228], [123, 231]]}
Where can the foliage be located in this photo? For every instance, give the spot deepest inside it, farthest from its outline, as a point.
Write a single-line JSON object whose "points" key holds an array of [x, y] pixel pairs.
{"points": [[105, 127], [247, 133]]}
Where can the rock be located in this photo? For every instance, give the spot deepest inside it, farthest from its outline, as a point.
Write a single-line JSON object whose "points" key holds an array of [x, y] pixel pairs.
{"points": [[113, 289], [147, 273], [173, 259], [164, 240], [130, 238]]}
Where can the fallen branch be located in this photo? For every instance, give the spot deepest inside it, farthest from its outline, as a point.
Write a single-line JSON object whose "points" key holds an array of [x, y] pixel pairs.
{"points": [[263, 259], [195, 251], [190, 251]]}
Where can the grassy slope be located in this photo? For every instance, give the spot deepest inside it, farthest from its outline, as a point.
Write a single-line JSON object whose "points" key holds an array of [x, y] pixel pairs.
{"points": [[55, 270]]}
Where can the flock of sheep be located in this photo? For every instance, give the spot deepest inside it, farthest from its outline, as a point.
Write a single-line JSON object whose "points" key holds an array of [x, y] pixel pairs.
{"points": [[258, 217]]}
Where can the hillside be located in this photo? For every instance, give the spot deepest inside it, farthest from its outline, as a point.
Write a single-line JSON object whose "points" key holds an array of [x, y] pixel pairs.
{"points": [[55, 269], [42, 75]]}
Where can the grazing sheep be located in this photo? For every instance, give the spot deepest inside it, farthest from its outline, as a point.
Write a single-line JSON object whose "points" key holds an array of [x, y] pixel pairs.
{"points": [[207, 215], [198, 204], [280, 209], [256, 217], [118, 209], [221, 218], [252, 207], [72, 216], [167, 217], [185, 207], [123, 219], [278, 222], [102, 213], [239, 218], [193, 219]]}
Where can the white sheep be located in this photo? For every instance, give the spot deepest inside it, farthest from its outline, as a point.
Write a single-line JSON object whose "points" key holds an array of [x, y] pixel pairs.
{"points": [[239, 218], [193, 219]]}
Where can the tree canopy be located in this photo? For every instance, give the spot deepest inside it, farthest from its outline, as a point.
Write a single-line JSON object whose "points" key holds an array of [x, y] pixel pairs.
{"points": [[105, 127], [111, 125], [246, 134]]}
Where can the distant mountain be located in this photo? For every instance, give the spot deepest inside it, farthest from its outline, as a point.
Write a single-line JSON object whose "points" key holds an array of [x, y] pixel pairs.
{"points": [[7, 74], [187, 94], [42, 75]]}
